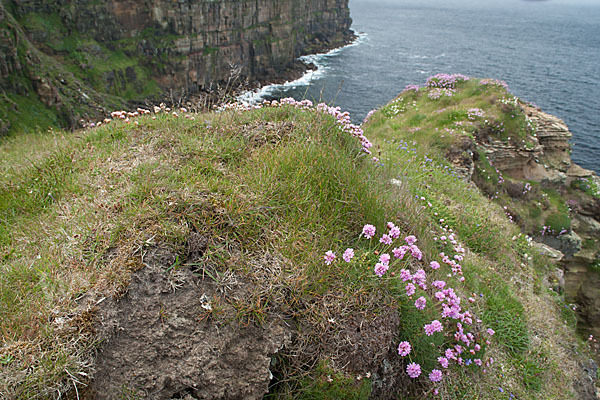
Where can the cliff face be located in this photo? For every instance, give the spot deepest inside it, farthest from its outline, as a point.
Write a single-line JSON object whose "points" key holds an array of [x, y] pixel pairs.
{"points": [[545, 159], [140, 49]]}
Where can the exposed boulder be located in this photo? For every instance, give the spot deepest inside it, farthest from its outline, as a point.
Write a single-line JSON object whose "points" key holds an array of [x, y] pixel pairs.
{"points": [[164, 340]]}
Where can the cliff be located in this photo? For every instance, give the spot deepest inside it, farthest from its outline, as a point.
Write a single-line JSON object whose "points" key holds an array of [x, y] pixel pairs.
{"points": [[134, 51]]}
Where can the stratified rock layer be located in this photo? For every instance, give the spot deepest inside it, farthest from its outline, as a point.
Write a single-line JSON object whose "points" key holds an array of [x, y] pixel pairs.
{"points": [[547, 160], [192, 45]]}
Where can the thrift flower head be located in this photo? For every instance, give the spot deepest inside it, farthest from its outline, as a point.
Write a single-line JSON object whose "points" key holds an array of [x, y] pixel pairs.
{"points": [[405, 275], [410, 289], [434, 265], [329, 257], [435, 375], [381, 269], [385, 258], [420, 303], [348, 255], [386, 239], [439, 284], [394, 232], [410, 240], [404, 348], [443, 362], [413, 370], [399, 252], [490, 332], [368, 231], [435, 326], [416, 252]]}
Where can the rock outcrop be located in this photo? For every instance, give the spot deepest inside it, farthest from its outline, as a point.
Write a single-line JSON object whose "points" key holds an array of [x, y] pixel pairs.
{"points": [[544, 157]]}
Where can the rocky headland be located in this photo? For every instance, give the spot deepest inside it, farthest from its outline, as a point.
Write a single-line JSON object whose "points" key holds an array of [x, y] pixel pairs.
{"points": [[519, 157]]}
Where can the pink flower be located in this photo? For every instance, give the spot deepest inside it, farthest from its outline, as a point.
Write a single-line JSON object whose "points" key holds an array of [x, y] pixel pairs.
{"points": [[413, 370], [404, 348], [329, 257], [435, 375], [368, 231], [385, 258], [443, 362], [439, 284], [405, 275], [386, 239], [434, 326], [394, 232], [434, 265], [390, 225], [381, 269], [416, 252], [348, 255], [410, 240], [410, 289], [477, 362], [419, 278], [399, 252], [420, 303], [490, 332]]}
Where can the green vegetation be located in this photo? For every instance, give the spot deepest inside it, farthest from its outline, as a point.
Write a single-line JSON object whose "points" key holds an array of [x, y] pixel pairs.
{"points": [[587, 186], [272, 190]]}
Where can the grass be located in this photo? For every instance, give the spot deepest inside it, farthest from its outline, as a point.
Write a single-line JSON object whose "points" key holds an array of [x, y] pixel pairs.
{"points": [[97, 205], [273, 189]]}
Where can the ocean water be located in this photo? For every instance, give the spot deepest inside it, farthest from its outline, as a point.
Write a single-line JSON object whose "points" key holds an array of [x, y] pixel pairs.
{"points": [[547, 51]]}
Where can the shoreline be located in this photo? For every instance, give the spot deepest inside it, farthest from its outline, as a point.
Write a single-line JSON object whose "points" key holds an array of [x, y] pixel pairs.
{"points": [[303, 72]]}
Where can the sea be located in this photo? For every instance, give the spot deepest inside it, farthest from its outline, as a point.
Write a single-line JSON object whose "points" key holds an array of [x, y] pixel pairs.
{"points": [[548, 51]]}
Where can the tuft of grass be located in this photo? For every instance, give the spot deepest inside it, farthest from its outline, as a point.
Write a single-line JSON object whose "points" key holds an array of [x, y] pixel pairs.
{"points": [[558, 222], [325, 383]]}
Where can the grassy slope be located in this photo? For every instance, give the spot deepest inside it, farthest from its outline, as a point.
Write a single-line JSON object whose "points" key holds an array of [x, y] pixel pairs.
{"points": [[281, 181]]}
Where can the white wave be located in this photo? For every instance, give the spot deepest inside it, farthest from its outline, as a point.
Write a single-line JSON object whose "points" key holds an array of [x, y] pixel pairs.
{"points": [[320, 62]]}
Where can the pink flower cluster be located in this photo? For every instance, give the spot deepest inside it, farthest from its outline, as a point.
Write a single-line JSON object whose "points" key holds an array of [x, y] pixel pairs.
{"points": [[436, 93], [493, 82], [129, 116], [456, 323], [342, 119], [474, 113], [445, 80], [411, 88], [369, 116]]}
